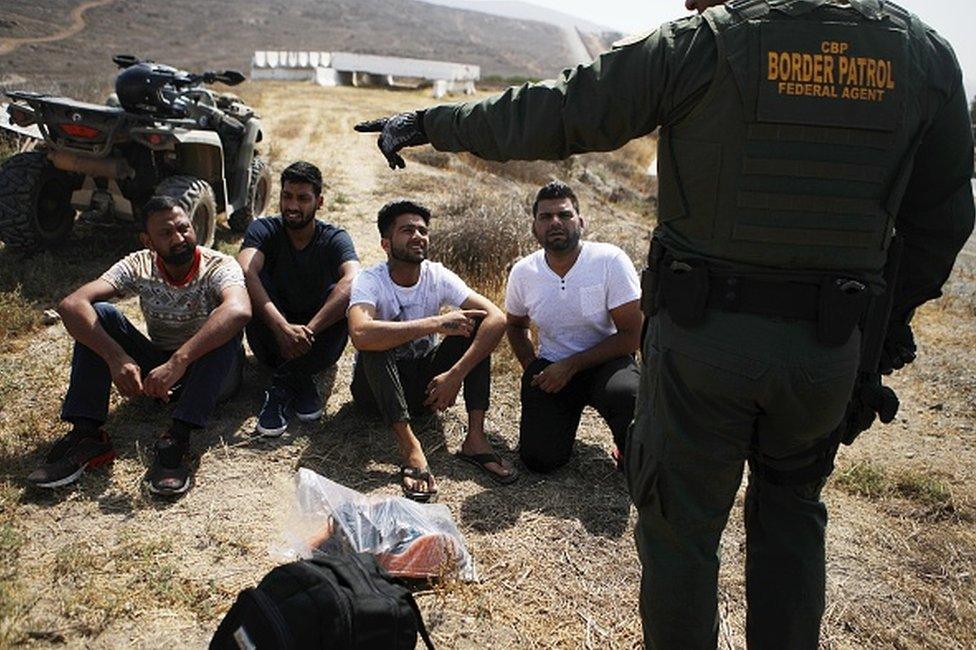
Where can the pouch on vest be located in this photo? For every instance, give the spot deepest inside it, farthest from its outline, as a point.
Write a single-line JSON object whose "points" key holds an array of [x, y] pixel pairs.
{"points": [[684, 291], [842, 304]]}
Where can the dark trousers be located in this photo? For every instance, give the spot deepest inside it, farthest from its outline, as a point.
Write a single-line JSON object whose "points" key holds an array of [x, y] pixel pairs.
{"points": [[710, 397], [294, 373], [212, 377], [549, 420], [396, 388]]}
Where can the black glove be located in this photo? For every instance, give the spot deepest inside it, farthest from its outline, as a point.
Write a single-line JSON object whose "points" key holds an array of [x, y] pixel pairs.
{"points": [[899, 348], [871, 399], [396, 132]]}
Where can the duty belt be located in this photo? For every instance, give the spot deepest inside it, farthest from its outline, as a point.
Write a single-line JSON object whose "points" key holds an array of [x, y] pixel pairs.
{"points": [[795, 300], [688, 288]]}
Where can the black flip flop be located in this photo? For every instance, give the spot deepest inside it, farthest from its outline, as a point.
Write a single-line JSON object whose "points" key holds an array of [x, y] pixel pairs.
{"points": [[418, 474], [481, 462]]}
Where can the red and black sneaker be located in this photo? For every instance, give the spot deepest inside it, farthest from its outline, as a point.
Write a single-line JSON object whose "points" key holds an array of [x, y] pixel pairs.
{"points": [[70, 456], [170, 473]]}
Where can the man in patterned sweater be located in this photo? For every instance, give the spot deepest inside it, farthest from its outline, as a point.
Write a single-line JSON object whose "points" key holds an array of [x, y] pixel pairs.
{"points": [[195, 305]]}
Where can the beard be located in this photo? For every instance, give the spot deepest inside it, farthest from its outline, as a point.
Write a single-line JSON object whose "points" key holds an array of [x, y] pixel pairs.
{"points": [[406, 254], [297, 220], [569, 241], [181, 256]]}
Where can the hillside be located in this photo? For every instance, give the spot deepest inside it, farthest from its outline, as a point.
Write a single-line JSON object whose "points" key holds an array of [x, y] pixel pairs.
{"points": [[525, 11], [199, 35], [102, 565]]}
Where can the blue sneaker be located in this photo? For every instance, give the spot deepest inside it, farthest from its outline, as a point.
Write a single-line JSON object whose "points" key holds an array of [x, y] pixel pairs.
{"points": [[308, 404], [273, 418]]}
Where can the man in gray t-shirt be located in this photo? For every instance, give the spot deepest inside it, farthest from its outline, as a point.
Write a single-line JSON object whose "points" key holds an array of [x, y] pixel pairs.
{"points": [[195, 305], [401, 370]]}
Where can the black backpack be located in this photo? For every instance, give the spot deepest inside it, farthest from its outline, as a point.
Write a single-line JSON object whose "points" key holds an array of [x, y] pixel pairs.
{"points": [[337, 602]]}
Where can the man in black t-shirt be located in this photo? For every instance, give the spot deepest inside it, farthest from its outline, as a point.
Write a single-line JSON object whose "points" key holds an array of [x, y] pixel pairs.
{"points": [[298, 271]]}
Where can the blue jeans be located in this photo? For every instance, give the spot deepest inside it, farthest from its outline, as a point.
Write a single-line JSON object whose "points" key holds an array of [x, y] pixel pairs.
{"points": [[209, 379]]}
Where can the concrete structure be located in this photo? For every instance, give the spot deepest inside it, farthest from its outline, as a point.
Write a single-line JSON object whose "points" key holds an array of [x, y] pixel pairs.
{"points": [[348, 69]]}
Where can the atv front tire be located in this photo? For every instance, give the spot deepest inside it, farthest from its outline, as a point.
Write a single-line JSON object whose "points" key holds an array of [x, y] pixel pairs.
{"points": [[258, 194], [196, 197], [35, 202]]}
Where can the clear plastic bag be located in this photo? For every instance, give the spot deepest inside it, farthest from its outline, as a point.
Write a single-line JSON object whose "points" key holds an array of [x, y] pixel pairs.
{"points": [[409, 539]]}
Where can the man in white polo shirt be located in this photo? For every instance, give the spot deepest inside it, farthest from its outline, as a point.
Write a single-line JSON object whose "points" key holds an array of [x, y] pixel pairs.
{"points": [[584, 299]]}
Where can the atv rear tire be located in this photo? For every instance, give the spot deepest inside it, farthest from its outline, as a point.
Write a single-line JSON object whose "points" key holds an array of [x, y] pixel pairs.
{"points": [[258, 194], [196, 197], [35, 202]]}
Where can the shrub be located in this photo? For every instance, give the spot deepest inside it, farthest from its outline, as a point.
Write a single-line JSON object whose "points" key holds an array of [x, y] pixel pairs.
{"points": [[479, 236], [17, 314]]}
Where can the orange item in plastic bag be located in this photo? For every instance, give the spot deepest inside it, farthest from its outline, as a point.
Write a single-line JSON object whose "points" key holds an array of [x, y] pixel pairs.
{"points": [[427, 556]]}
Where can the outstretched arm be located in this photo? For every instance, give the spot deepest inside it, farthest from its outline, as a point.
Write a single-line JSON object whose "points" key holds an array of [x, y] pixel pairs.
{"points": [[626, 93]]}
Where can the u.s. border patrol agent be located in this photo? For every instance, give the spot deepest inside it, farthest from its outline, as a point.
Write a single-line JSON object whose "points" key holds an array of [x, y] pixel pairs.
{"points": [[796, 137]]}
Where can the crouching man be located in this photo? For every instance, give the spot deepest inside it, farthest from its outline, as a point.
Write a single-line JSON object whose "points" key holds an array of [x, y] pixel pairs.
{"points": [[195, 305], [584, 298], [298, 270], [401, 370]]}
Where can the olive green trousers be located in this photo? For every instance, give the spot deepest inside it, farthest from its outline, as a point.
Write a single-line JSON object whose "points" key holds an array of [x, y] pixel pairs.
{"points": [[709, 395]]}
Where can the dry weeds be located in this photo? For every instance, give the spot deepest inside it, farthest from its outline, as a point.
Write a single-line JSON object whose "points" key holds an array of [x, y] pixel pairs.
{"points": [[102, 565]]}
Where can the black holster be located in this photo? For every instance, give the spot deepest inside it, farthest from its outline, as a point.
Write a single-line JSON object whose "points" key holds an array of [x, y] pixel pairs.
{"points": [[684, 291], [843, 303], [651, 279]]}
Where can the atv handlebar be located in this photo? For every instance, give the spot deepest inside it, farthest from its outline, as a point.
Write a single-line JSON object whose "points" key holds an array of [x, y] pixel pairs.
{"points": [[181, 78], [226, 77]]}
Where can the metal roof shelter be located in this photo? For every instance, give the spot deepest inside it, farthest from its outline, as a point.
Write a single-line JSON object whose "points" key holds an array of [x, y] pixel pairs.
{"points": [[349, 69]]}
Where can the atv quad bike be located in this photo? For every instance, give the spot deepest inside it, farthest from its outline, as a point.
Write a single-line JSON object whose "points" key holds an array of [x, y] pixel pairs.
{"points": [[163, 133]]}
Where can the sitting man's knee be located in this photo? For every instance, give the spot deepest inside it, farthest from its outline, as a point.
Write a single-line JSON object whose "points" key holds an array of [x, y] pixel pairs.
{"points": [[372, 359], [106, 310], [622, 399]]}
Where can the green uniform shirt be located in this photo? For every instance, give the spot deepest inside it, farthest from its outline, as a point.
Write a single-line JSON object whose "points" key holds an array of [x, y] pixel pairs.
{"points": [[624, 94], [657, 80]]}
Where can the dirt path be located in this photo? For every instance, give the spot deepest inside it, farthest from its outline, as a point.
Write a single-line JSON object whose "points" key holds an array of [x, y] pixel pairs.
{"points": [[8, 45]]}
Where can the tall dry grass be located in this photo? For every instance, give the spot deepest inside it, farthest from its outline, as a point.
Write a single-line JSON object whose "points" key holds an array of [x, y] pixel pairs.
{"points": [[479, 236]]}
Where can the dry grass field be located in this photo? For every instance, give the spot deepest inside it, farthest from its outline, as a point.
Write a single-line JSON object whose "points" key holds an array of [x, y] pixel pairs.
{"points": [[102, 565]]}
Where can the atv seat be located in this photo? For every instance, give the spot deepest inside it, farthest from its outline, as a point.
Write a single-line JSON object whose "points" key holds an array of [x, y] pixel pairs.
{"points": [[68, 104], [79, 126]]}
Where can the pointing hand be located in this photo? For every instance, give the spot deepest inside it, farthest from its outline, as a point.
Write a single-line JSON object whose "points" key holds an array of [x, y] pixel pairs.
{"points": [[396, 132]]}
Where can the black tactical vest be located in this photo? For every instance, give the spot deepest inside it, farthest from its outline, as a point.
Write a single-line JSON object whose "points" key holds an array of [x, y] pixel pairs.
{"points": [[799, 153]]}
